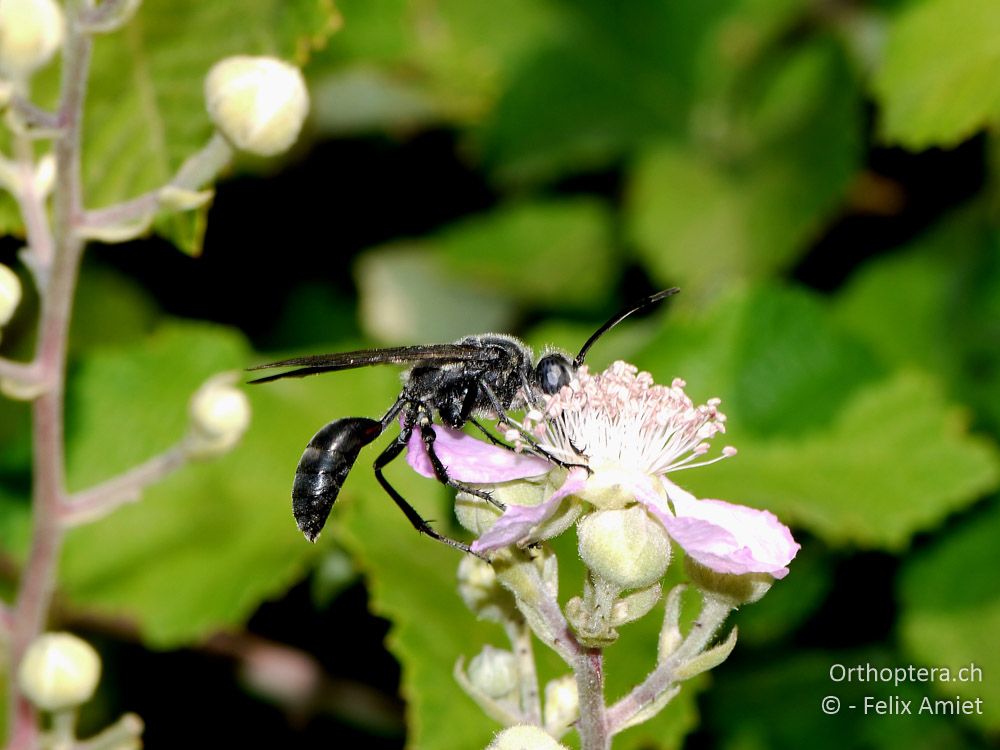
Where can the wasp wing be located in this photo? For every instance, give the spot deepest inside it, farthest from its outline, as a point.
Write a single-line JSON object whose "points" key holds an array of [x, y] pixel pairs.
{"points": [[400, 355]]}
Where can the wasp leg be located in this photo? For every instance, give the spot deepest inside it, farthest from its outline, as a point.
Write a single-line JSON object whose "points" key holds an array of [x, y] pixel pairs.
{"points": [[530, 442], [441, 471], [490, 436], [392, 451]]}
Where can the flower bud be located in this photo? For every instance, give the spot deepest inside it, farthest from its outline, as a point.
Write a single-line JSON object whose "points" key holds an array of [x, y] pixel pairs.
{"points": [[524, 737], [494, 672], [477, 515], [10, 294], [562, 703], [30, 33], [59, 671], [480, 590], [624, 547], [733, 589], [258, 103], [220, 414]]}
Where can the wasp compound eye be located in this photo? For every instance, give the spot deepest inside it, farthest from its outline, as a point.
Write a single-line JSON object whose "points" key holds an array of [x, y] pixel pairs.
{"points": [[553, 372]]}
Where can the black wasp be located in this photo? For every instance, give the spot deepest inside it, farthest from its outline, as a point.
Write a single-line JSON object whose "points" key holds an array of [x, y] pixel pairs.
{"points": [[477, 377]]}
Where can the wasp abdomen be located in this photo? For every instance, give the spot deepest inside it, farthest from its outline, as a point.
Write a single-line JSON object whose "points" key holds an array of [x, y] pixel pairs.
{"points": [[324, 466]]}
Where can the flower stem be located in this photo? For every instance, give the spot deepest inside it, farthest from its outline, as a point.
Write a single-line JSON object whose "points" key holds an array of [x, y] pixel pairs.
{"points": [[520, 640], [99, 501], [38, 580], [198, 170], [713, 614], [593, 726]]}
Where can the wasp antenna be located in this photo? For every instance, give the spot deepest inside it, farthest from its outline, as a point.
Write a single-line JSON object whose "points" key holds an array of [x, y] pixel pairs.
{"points": [[619, 317]]}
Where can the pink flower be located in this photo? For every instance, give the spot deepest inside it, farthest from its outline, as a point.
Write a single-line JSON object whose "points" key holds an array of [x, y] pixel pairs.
{"points": [[630, 433]]}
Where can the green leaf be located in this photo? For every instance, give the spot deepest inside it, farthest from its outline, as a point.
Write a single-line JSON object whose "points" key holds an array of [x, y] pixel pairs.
{"points": [[419, 63], [566, 108], [10, 215], [935, 304], [408, 295], [772, 353], [558, 251], [828, 440], [363, 98], [204, 547], [109, 309], [145, 108], [896, 460], [704, 213], [944, 624], [774, 702], [938, 84]]}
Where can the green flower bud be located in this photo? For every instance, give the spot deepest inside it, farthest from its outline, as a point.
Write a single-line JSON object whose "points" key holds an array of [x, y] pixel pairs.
{"points": [[30, 33], [524, 737], [478, 516], [494, 672], [611, 488], [627, 548], [258, 103], [59, 671], [220, 414], [733, 589], [481, 591], [562, 703], [10, 294]]}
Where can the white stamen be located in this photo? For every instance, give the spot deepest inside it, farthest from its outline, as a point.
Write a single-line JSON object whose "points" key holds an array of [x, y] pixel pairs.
{"points": [[620, 417]]}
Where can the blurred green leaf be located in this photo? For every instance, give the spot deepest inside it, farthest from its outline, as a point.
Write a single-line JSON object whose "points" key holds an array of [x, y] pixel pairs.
{"points": [[950, 610], [557, 253], [364, 98], [15, 523], [611, 76], [774, 703], [206, 546], [896, 460], [109, 309], [746, 202], [938, 84], [465, 279], [826, 439], [771, 352], [145, 108], [408, 296], [404, 63], [935, 304], [10, 216]]}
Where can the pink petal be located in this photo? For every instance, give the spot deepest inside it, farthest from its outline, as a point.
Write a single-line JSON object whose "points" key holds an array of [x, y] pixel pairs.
{"points": [[470, 460], [729, 538], [516, 523]]}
